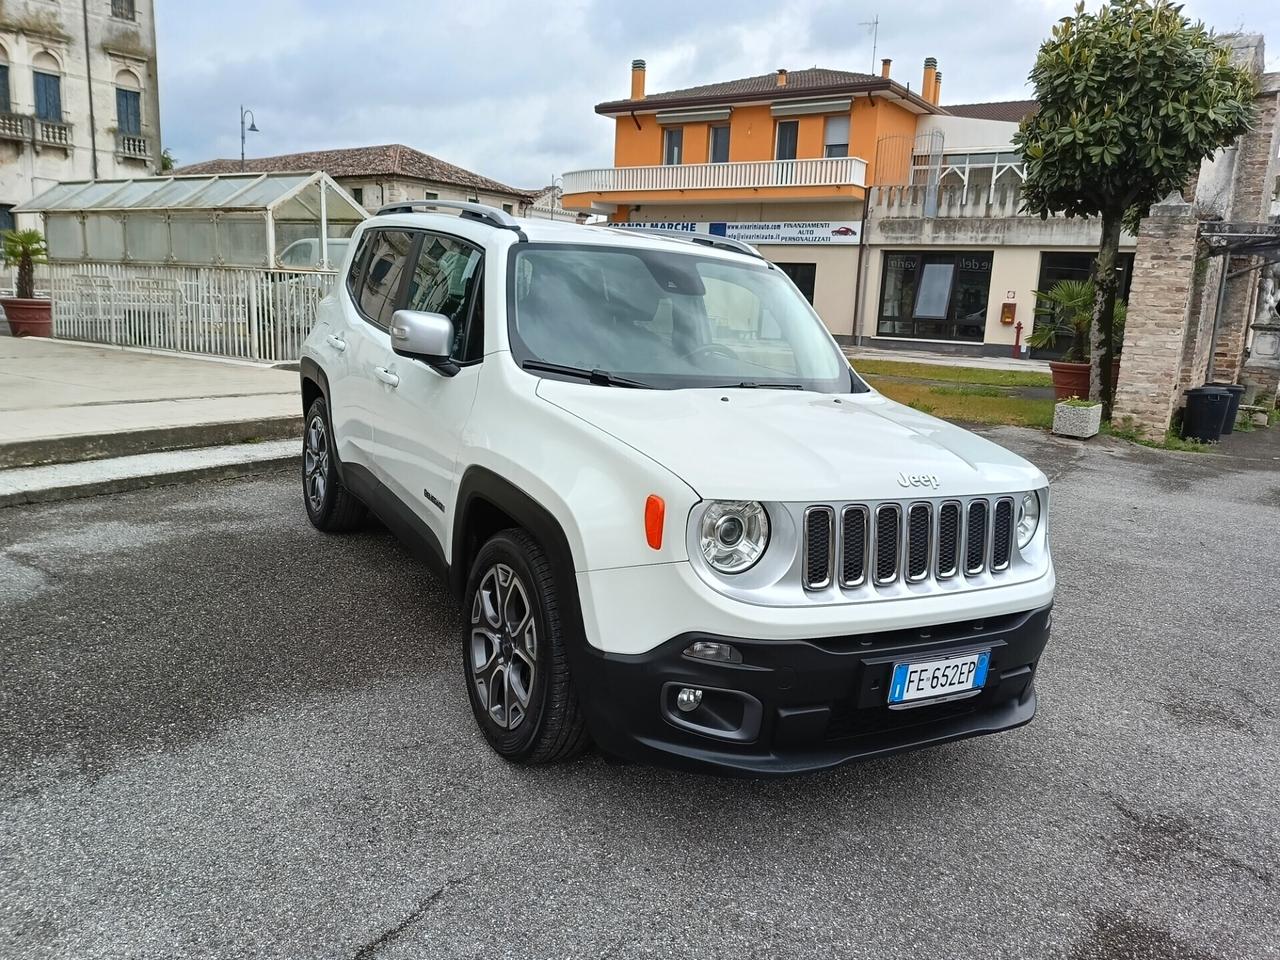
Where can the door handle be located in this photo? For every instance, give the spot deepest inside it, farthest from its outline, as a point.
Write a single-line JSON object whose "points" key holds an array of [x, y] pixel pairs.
{"points": [[336, 342], [386, 376]]}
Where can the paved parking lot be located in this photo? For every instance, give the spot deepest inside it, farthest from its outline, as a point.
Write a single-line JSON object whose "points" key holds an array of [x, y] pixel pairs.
{"points": [[227, 735]]}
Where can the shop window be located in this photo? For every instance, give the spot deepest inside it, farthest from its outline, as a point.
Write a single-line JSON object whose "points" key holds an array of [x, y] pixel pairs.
{"points": [[835, 137], [719, 145], [787, 138], [802, 275], [935, 296], [673, 146]]}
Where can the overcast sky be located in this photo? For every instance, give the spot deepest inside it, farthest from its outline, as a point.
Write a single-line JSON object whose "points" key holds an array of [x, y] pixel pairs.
{"points": [[507, 88]]}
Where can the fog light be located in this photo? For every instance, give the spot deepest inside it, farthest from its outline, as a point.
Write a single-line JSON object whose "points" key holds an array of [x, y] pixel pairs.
{"points": [[688, 699], [709, 650]]}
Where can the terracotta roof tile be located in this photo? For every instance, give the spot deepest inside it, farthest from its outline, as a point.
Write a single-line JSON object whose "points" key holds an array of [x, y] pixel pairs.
{"points": [[1007, 110], [798, 81], [388, 160]]}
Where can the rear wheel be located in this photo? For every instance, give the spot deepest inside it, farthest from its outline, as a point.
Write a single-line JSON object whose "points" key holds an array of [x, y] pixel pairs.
{"points": [[514, 659], [330, 506]]}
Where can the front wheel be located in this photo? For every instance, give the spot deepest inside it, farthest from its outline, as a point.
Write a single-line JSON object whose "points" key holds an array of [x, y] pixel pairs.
{"points": [[514, 660]]}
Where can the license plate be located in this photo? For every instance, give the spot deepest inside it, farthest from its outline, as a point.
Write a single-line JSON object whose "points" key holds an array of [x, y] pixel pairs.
{"points": [[933, 679]]}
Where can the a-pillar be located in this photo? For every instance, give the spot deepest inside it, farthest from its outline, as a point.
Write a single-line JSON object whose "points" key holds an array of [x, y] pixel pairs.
{"points": [[1159, 306]]}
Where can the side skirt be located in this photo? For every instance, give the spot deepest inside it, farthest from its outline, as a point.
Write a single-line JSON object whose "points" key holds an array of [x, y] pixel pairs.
{"points": [[399, 519]]}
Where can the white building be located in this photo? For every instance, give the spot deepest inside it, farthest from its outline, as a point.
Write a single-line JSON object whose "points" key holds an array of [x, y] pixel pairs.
{"points": [[75, 104]]}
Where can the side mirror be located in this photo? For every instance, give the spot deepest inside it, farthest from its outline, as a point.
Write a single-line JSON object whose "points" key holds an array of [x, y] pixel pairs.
{"points": [[424, 336]]}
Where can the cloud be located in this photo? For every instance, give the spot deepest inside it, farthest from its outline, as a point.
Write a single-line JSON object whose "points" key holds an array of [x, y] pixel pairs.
{"points": [[507, 89]]}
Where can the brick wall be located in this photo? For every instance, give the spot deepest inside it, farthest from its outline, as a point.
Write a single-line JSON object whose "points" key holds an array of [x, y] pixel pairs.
{"points": [[1238, 306], [1160, 302]]}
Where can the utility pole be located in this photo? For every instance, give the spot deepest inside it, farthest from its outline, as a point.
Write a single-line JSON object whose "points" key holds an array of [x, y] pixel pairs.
{"points": [[874, 25]]}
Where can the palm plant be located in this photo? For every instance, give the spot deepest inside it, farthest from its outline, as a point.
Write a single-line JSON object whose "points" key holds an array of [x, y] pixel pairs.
{"points": [[24, 248], [1066, 311]]}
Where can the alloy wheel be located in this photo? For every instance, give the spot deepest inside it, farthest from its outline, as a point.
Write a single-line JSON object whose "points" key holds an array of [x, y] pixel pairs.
{"points": [[315, 463], [504, 646]]}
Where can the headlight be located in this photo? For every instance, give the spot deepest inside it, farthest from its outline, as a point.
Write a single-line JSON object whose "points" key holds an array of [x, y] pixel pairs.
{"points": [[733, 535], [1028, 518]]}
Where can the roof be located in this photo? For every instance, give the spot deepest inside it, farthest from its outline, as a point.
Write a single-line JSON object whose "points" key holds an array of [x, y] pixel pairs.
{"points": [[287, 195], [800, 83], [388, 160], [1011, 111]]}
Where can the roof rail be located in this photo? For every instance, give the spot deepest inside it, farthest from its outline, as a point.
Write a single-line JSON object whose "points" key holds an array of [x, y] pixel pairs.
{"points": [[467, 210], [705, 239]]}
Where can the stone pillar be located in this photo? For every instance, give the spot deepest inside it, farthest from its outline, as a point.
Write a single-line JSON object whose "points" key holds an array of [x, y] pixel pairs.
{"points": [[1160, 302], [1233, 322]]}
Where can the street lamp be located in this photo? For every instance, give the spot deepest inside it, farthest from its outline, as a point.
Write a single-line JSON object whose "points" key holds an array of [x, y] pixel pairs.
{"points": [[253, 128]]}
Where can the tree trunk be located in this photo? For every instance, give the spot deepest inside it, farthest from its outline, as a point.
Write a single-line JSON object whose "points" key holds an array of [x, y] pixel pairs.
{"points": [[1104, 313], [26, 281]]}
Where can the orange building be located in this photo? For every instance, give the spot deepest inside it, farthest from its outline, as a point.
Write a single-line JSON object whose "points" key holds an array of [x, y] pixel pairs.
{"points": [[781, 160]]}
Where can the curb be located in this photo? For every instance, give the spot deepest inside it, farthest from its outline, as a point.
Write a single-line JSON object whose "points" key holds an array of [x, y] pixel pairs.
{"points": [[163, 478], [101, 446]]}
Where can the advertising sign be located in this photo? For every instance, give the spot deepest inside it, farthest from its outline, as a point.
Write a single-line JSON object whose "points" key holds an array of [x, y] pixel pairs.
{"points": [[780, 231]]}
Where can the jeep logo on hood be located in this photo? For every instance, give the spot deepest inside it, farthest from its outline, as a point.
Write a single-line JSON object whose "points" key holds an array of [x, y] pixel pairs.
{"points": [[917, 480]]}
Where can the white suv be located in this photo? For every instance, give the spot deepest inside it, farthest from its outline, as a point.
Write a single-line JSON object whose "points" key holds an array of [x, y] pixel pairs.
{"points": [[679, 524]]}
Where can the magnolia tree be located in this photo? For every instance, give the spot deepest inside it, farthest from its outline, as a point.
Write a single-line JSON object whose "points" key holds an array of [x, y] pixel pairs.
{"points": [[1132, 98]]}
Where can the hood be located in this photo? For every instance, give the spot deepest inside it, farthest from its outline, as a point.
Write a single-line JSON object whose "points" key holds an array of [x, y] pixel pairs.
{"points": [[790, 445]]}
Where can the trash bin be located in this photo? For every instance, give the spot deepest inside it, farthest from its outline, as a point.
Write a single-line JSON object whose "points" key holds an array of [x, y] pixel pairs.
{"points": [[1205, 413], [1237, 394]]}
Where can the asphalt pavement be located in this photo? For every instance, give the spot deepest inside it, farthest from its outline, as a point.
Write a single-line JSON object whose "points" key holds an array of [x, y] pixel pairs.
{"points": [[223, 734]]}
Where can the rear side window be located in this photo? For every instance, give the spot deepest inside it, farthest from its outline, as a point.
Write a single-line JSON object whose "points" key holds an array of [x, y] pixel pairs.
{"points": [[383, 271]]}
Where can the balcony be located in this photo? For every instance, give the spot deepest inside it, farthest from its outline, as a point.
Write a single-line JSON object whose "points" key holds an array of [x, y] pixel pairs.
{"points": [[830, 176], [15, 126], [53, 133], [132, 146]]}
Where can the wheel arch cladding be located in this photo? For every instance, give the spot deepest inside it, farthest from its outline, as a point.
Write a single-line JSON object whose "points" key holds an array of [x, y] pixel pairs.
{"points": [[488, 503], [314, 383]]}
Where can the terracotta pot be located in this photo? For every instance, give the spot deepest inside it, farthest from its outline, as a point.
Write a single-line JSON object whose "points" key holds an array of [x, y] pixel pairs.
{"points": [[28, 318], [1072, 379]]}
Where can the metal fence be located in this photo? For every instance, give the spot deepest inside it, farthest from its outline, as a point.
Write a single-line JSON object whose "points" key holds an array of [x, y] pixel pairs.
{"points": [[244, 313]]}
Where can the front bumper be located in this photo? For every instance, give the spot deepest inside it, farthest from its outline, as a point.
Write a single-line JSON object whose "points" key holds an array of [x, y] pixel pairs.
{"points": [[801, 705]]}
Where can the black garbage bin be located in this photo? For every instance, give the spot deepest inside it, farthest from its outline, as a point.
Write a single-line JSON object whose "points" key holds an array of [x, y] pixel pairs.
{"points": [[1233, 408], [1205, 414]]}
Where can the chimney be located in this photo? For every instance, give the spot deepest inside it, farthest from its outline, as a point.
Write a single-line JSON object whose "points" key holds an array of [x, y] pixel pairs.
{"points": [[937, 87], [782, 77], [637, 79], [930, 70], [885, 64]]}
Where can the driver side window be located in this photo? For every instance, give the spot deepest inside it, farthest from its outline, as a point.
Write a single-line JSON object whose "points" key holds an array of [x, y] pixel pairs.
{"points": [[447, 280]]}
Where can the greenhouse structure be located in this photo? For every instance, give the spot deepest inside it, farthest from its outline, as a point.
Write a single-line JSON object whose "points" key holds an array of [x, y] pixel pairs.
{"points": [[231, 265]]}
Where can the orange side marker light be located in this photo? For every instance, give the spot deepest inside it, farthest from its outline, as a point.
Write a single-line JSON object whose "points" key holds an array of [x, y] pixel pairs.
{"points": [[655, 512]]}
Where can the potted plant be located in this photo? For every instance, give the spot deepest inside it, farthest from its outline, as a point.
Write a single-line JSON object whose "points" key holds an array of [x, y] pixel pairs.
{"points": [[27, 316], [1066, 312], [1077, 418]]}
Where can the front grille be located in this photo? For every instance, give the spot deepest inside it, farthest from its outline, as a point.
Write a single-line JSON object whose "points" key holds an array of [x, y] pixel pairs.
{"points": [[975, 538], [918, 523], [1002, 535], [888, 524], [877, 545], [853, 545], [948, 540], [818, 543]]}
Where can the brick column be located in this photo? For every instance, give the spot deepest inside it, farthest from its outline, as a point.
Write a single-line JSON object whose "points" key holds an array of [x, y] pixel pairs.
{"points": [[1233, 324], [1159, 304]]}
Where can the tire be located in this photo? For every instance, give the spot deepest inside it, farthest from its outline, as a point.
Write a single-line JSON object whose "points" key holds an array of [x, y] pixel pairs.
{"points": [[331, 507], [525, 703]]}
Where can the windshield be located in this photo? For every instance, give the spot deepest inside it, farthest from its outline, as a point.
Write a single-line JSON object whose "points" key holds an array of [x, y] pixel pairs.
{"points": [[668, 320]]}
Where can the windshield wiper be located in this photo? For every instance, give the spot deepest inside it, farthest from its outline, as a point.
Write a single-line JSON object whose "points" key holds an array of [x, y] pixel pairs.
{"points": [[752, 385], [602, 378]]}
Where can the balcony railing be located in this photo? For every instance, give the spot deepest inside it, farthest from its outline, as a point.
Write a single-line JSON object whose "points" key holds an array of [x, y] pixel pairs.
{"points": [[15, 126], [133, 146], [53, 133], [825, 172]]}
